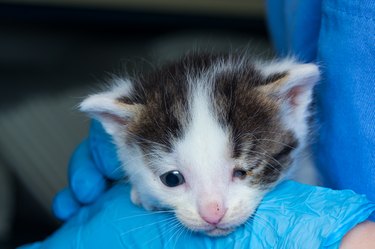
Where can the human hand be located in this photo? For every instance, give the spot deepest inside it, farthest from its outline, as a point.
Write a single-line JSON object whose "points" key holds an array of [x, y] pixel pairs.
{"points": [[92, 165], [293, 215]]}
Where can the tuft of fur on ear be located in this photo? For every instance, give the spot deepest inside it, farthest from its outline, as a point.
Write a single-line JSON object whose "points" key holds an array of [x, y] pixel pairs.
{"points": [[112, 108], [293, 91]]}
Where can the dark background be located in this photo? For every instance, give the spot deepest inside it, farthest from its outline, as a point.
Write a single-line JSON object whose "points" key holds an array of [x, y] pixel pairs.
{"points": [[54, 51]]}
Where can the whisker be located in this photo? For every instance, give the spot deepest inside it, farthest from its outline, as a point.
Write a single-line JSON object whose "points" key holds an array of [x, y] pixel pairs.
{"points": [[271, 132], [179, 235], [173, 225], [146, 214], [170, 238], [147, 225], [259, 218], [265, 154], [271, 140], [256, 218]]}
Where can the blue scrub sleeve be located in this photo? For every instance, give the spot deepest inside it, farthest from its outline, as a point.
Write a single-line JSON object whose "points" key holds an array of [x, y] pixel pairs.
{"points": [[346, 97], [340, 36], [291, 216], [294, 27]]}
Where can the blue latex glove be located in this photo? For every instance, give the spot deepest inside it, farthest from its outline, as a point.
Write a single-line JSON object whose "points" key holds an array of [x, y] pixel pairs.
{"points": [[292, 216], [92, 165]]}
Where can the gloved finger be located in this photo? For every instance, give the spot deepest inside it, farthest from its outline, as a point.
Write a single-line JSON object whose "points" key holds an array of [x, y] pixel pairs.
{"points": [[86, 181], [104, 152], [64, 204]]}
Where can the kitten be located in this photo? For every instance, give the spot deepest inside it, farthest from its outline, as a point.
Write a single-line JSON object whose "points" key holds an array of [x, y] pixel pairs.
{"points": [[208, 135]]}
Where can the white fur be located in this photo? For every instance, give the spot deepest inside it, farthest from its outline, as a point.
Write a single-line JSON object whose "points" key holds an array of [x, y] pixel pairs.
{"points": [[268, 68], [104, 104]]}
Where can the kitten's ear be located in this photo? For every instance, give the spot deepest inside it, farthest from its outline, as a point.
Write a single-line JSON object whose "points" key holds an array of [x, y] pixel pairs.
{"points": [[112, 108], [292, 84]]}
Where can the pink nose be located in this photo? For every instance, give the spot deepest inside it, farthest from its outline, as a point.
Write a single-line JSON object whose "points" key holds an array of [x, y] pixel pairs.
{"points": [[212, 212]]}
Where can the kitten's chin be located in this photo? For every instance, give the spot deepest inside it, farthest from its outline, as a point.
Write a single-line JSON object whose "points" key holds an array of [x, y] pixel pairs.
{"points": [[217, 232]]}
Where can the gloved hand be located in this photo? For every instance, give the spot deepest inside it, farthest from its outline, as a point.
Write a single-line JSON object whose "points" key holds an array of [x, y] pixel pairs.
{"points": [[289, 216], [92, 166], [293, 215]]}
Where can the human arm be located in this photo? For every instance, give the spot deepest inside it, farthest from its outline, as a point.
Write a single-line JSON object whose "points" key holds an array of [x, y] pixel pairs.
{"points": [[361, 236]]}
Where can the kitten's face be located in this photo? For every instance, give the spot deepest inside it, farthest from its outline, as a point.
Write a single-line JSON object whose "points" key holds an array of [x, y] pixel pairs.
{"points": [[207, 136]]}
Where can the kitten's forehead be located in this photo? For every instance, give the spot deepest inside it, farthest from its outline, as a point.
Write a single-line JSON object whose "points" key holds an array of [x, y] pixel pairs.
{"points": [[227, 82], [205, 143]]}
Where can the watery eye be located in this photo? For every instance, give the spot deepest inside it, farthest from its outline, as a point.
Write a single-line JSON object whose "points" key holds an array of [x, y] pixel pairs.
{"points": [[172, 178], [239, 173]]}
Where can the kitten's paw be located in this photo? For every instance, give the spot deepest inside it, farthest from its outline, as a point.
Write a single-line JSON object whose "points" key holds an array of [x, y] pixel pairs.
{"points": [[135, 198]]}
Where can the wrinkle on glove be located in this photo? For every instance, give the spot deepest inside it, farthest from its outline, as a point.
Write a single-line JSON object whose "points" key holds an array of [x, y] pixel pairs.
{"points": [[291, 216]]}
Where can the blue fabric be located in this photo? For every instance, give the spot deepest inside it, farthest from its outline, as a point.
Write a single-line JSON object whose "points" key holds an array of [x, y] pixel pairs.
{"points": [[340, 36], [294, 27], [290, 216]]}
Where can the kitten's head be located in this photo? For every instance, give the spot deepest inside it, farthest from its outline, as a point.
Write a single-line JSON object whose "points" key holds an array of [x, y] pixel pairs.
{"points": [[208, 135]]}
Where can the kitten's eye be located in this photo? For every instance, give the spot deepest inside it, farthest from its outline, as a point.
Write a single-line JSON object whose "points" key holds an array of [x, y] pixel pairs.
{"points": [[240, 173], [172, 178]]}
